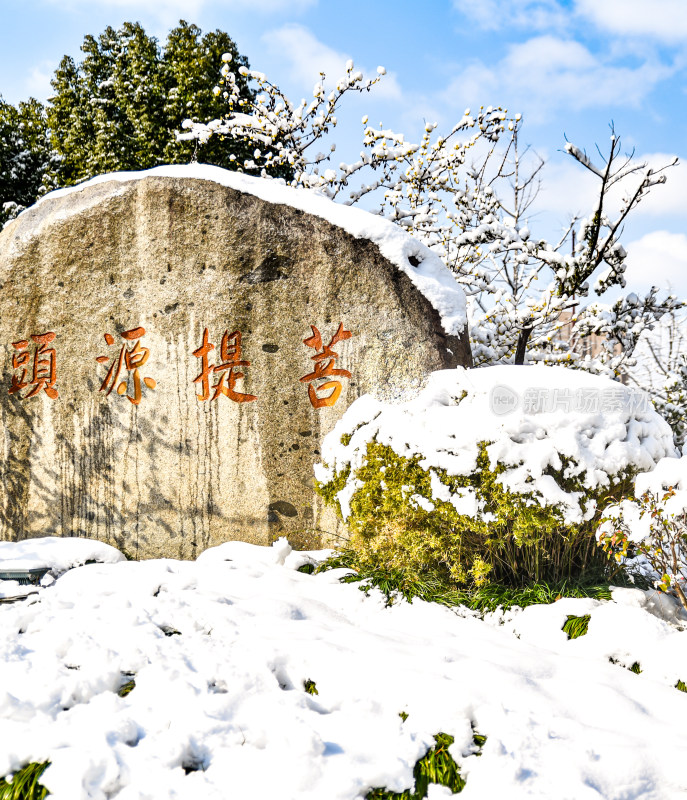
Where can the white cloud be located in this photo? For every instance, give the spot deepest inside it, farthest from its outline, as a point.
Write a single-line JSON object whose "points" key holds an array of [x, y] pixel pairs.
{"points": [[545, 74], [664, 20], [268, 6], [169, 12], [530, 14], [567, 190], [671, 198], [306, 56], [166, 12], [658, 258], [38, 82], [654, 257]]}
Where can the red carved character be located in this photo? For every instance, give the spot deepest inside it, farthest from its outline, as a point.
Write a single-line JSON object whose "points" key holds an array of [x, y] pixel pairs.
{"points": [[132, 359], [230, 359], [325, 359], [43, 374]]}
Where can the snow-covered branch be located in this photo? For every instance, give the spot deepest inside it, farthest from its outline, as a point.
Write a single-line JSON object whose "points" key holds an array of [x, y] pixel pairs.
{"points": [[466, 194]]}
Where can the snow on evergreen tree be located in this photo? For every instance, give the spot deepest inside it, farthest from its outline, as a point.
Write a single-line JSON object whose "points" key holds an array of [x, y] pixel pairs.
{"points": [[189, 66], [25, 155], [120, 108]]}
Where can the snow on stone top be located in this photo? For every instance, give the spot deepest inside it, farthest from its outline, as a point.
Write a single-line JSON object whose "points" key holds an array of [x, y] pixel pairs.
{"points": [[244, 552], [279, 554], [534, 417], [56, 553], [431, 277]]}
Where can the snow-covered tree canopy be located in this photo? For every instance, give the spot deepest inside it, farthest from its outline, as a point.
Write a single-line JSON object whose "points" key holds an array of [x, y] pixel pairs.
{"points": [[466, 193], [25, 155], [120, 107]]}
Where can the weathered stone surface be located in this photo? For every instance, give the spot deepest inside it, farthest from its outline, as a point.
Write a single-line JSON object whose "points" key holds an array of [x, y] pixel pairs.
{"points": [[173, 474]]}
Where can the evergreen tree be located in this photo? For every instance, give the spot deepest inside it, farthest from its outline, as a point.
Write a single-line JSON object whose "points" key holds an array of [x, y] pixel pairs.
{"points": [[190, 68], [122, 106], [25, 155]]}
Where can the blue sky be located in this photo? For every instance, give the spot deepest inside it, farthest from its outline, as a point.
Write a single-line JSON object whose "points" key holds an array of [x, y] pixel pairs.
{"points": [[569, 66]]}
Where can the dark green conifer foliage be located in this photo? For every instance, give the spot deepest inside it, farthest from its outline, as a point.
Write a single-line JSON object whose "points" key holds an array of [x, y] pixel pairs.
{"points": [[122, 106], [191, 66], [25, 155]]}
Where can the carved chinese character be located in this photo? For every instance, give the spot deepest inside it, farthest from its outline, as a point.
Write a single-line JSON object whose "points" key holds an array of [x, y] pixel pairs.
{"points": [[43, 375], [132, 359], [324, 367], [230, 357]]}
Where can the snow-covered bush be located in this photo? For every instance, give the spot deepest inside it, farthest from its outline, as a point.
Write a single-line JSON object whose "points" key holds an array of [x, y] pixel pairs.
{"points": [[648, 533], [491, 474]]}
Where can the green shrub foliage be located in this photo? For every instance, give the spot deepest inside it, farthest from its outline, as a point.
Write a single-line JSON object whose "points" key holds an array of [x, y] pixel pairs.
{"points": [[576, 626], [396, 524], [436, 766], [25, 783]]}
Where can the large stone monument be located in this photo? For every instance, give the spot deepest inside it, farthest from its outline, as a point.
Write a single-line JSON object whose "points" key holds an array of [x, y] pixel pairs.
{"points": [[175, 344]]}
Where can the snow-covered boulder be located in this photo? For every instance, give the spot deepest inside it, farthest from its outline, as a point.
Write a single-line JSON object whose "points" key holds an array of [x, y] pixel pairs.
{"points": [[56, 553], [195, 333], [23, 563]]}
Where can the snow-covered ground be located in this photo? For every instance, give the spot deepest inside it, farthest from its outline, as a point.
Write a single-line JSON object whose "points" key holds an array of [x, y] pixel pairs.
{"points": [[220, 648], [59, 555]]}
